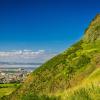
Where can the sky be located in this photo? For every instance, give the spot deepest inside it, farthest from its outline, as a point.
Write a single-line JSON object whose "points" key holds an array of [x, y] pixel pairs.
{"points": [[48, 25]]}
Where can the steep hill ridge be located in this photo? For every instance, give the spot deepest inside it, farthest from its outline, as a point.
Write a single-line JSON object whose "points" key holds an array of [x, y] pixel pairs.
{"points": [[93, 31], [75, 66]]}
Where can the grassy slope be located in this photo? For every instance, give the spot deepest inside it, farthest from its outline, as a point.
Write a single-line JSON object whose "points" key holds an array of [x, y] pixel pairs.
{"points": [[88, 90], [67, 73]]}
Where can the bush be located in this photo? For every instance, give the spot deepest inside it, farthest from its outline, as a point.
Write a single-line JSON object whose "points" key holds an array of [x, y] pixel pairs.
{"points": [[82, 61]]}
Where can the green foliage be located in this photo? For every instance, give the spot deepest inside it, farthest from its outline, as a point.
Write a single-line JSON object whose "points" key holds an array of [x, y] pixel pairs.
{"points": [[91, 92], [9, 85], [82, 61], [77, 46], [39, 97], [81, 94], [6, 89]]}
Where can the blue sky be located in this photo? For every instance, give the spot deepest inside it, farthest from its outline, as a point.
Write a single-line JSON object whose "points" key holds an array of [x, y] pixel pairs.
{"points": [[50, 25]]}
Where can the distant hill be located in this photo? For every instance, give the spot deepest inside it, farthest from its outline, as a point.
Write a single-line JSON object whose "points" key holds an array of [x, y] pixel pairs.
{"points": [[71, 75]]}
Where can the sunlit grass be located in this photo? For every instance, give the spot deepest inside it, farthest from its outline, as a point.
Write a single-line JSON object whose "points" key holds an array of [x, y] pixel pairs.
{"points": [[88, 90], [6, 91]]}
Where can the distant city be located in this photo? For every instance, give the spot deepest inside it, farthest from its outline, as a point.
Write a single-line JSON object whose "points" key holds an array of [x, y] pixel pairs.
{"points": [[16, 72]]}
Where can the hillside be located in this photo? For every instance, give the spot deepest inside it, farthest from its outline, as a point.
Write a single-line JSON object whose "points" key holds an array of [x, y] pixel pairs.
{"points": [[73, 74]]}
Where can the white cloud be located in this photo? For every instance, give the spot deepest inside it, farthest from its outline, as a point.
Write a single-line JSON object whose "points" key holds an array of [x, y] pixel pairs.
{"points": [[21, 53], [26, 56]]}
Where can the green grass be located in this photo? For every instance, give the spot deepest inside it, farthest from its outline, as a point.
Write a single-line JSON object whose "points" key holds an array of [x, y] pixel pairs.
{"points": [[9, 85], [95, 75], [91, 92], [6, 89], [89, 89]]}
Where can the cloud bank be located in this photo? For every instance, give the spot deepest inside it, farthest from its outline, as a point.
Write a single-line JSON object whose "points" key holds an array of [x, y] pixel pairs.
{"points": [[22, 53], [26, 56]]}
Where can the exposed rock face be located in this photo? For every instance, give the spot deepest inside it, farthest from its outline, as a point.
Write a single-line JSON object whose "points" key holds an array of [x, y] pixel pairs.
{"points": [[93, 31]]}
